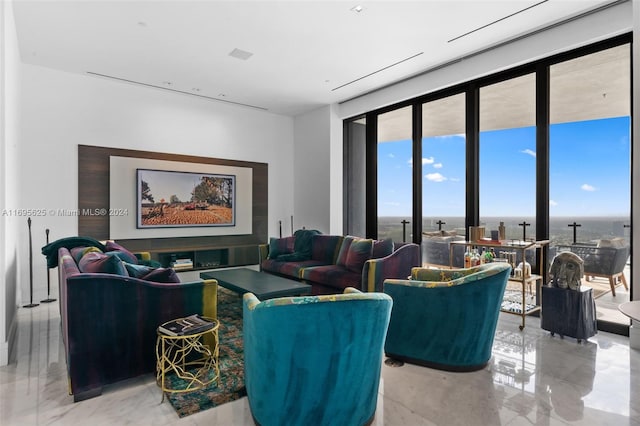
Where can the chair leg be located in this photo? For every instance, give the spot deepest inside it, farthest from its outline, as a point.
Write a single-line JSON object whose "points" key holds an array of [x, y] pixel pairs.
{"points": [[624, 281], [612, 283]]}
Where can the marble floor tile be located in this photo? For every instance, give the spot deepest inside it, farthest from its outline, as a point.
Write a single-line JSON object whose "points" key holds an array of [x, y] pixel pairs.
{"points": [[531, 379]]}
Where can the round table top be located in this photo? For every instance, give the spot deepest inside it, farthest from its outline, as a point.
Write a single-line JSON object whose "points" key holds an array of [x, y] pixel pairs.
{"points": [[631, 309]]}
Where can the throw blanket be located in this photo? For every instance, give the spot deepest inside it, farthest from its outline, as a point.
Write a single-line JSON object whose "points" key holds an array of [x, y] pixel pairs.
{"points": [[51, 249], [301, 246]]}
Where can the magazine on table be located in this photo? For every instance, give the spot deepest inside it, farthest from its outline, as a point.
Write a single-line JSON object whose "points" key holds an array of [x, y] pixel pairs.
{"points": [[189, 325]]}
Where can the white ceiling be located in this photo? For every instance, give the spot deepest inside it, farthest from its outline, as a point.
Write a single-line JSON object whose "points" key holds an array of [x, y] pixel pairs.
{"points": [[303, 51]]}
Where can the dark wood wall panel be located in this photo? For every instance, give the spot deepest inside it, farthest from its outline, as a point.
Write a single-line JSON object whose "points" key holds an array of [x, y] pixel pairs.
{"points": [[93, 193]]}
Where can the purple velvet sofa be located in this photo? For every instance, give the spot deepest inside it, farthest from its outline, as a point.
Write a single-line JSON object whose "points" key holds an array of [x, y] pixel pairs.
{"points": [[109, 319], [331, 263]]}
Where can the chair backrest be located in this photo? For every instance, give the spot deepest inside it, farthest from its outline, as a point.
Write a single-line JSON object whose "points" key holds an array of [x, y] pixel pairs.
{"points": [[433, 277], [448, 319], [314, 359]]}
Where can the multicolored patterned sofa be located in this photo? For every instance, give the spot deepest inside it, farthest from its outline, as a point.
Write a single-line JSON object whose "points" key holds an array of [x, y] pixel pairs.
{"points": [[308, 373], [331, 263], [109, 318], [446, 318]]}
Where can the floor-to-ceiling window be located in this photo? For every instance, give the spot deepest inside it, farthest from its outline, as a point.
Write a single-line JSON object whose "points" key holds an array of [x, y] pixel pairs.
{"points": [[590, 169], [355, 172], [544, 148], [508, 156], [443, 164], [395, 181]]}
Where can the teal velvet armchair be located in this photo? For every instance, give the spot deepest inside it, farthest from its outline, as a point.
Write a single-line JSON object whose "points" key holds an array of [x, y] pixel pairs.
{"points": [[446, 318], [314, 360]]}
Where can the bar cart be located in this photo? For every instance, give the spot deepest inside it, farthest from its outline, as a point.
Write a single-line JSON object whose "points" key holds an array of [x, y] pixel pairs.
{"points": [[527, 280]]}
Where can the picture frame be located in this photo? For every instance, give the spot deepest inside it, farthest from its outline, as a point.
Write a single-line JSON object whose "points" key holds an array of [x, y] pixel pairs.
{"points": [[178, 199]]}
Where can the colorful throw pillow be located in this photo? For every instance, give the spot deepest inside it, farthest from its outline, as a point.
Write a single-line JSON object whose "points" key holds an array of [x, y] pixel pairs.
{"points": [[137, 271], [153, 263], [124, 254], [78, 252], [278, 246], [94, 262], [51, 249], [324, 248], [359, 252], [162, 275], [382, 248], [344, 250], [439, 275]]}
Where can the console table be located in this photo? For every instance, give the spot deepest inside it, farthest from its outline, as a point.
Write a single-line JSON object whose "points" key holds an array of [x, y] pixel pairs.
{"points": [[520, 307]]}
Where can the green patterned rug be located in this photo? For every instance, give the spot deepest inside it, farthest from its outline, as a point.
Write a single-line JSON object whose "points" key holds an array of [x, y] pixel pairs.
{"points": [[230, 360]]}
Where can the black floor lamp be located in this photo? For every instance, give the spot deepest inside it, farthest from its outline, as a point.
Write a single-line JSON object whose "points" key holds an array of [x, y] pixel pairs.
{"points": [[48, 299], [31, 304]]}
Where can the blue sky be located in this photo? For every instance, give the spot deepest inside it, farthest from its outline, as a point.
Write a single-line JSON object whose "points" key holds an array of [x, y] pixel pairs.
{"points": [[589, 172], [164, 184]]}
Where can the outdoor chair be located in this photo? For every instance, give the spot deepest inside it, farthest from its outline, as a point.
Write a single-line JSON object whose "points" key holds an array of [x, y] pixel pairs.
{"points": [[607, 259]]}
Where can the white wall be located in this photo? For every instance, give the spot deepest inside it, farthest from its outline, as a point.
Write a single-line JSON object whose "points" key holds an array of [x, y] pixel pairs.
{"points": [[312, 186], [336, 163], [9, 117], [318, 171], [61, 110]]}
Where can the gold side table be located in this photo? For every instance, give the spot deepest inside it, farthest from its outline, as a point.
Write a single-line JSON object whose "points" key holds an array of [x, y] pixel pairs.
{"points": [[190, 357]]}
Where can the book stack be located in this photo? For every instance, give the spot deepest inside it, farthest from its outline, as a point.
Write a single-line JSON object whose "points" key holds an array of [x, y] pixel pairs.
{"points": [[182, 264], [184, 326]]}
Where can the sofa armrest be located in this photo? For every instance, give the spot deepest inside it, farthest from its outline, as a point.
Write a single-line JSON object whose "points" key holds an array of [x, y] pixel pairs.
{"points": [[263, 253], [143, 255], [397, 265]]}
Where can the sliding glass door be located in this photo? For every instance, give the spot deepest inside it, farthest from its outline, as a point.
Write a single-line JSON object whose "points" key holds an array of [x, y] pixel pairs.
{"points": [[590, 169], [508, 156], [544, 148], [443, 165], [394, 175]]}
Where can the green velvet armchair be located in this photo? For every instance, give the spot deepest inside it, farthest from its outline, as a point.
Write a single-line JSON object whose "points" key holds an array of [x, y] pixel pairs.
{"points": [[314, 360], [446, 318]]}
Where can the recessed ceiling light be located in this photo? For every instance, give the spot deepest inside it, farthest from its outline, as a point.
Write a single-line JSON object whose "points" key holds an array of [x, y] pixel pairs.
{"points": [[357, 8], [240, 54]]}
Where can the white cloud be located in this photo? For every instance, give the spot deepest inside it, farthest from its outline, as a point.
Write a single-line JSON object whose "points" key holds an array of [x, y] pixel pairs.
{"points": [[435, 177], [390, 155], [587, 187], [457, 135], [437, 166], [454, 179], [552, 203], [425, 161], [529, 152], [392, 203]]}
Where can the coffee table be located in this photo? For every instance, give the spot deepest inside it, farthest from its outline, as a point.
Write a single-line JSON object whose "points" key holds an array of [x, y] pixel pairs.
{"points": [[631, 309], [263, 285]]}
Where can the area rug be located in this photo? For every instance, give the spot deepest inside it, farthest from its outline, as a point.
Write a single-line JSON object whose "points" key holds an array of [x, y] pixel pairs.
{"points": [[600, 286], [230, 359]]}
